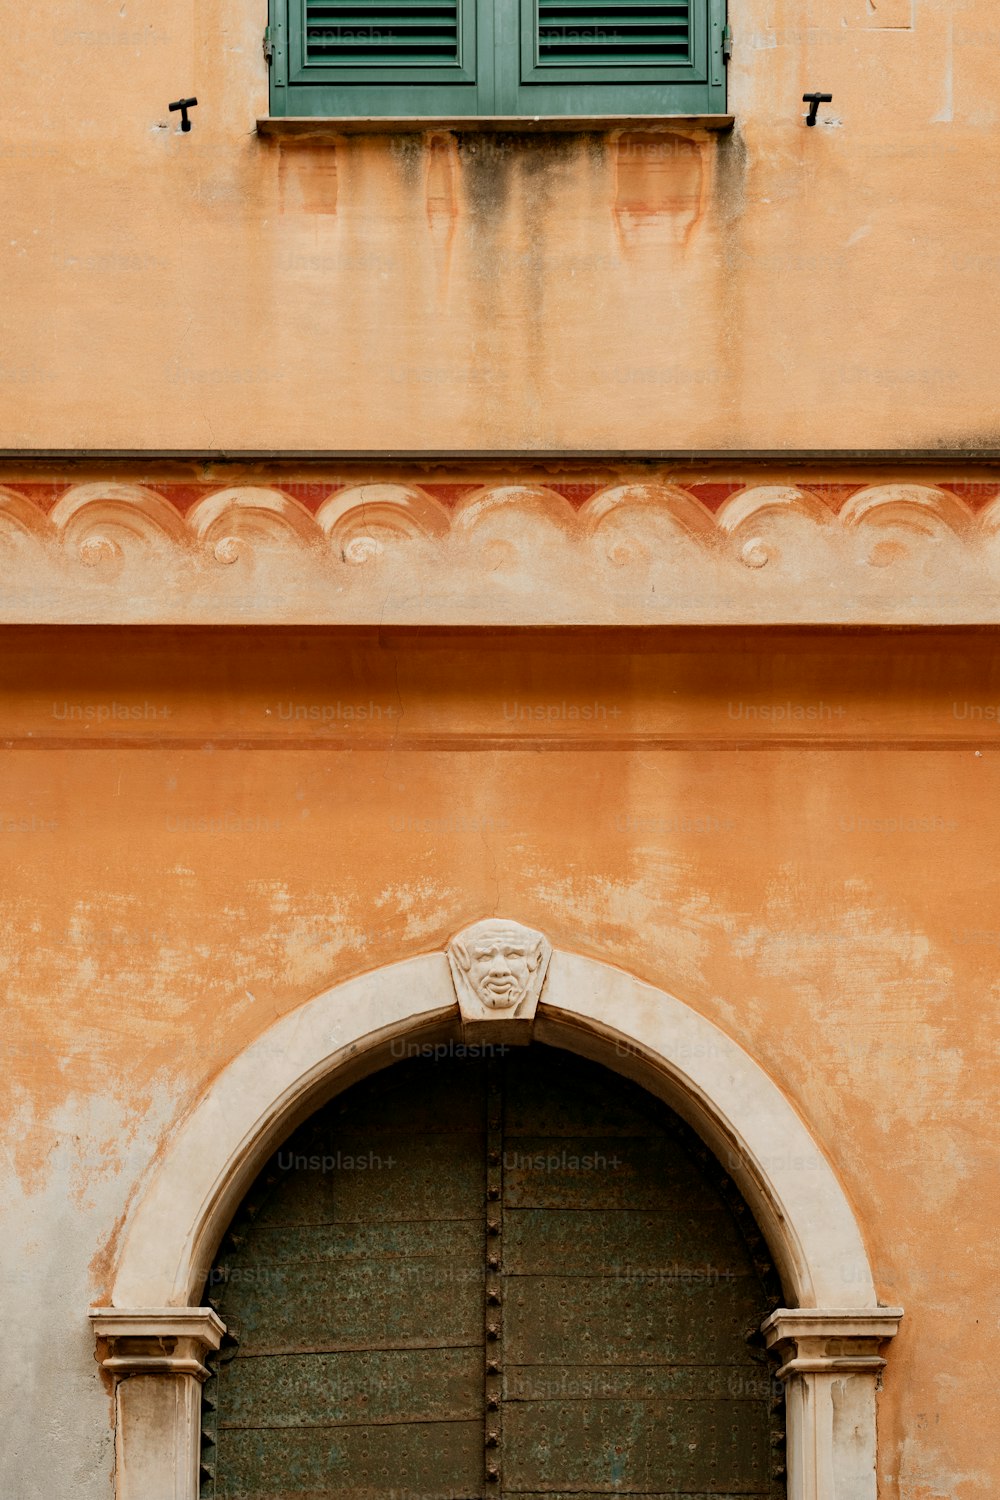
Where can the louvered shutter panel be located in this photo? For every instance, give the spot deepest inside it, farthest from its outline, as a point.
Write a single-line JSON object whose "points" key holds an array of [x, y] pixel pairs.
{"points": [[381, 34], [603, 33], [606, 57], [376, 57], [497, 57]]}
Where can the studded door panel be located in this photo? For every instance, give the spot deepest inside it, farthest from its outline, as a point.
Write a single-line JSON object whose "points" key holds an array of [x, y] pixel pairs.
{"points": [[513, 1276]]}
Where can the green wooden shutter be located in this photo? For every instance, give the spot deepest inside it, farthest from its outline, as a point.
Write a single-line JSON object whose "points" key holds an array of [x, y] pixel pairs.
{"points": [[377, 57], [604, 57], [506, 57]]}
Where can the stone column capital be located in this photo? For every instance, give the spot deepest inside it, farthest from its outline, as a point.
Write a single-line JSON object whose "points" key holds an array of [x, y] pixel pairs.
{"points": [[830, 1340], [156, 1340]]}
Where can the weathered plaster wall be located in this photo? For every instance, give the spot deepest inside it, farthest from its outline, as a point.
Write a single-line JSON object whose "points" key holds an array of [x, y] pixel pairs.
{"points": [[795, 835], [776, 287]]}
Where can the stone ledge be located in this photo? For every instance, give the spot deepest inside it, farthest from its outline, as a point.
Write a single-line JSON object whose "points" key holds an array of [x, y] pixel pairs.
{"points": [[338, 125]]}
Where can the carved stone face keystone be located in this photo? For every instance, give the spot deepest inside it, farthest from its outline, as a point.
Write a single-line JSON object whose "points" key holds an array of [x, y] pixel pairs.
{"points": [[498, 965]]}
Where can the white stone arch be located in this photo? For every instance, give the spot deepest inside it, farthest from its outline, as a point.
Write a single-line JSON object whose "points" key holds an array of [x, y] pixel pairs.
{"points": [[828, 1336]]}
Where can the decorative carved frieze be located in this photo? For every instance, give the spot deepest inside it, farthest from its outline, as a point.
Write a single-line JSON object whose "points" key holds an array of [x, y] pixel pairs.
{"points": [[519, 553]]}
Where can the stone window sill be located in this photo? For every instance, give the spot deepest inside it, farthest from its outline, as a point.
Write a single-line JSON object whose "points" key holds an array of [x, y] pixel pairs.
{"points": [[323, 125]]}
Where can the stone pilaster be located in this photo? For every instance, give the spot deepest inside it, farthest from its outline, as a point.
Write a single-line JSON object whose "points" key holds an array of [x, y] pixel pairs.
{"points": [[831, 1366], [156, 1359]]}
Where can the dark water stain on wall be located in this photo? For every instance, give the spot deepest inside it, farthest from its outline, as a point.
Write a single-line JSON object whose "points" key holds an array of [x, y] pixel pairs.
{"points": [[732, 259]]}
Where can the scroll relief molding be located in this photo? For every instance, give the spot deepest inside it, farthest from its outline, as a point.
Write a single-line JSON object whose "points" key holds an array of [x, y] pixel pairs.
{"points": [[635, 553]]}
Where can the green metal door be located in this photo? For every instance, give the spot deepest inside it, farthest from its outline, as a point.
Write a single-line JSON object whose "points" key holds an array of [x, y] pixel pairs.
{"points": [[514, 1276]]}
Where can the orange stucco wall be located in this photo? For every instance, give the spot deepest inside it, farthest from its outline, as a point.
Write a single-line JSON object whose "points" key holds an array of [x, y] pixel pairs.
{"points": [[774, 287], [793, 833]]}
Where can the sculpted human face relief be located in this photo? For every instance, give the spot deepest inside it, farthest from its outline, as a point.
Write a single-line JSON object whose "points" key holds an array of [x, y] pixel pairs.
{"points": [[498, 965], [500, 970]]}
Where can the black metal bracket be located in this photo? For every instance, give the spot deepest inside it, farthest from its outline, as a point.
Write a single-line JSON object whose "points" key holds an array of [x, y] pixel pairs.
{"points": [[184, 105], [814, 101]]}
